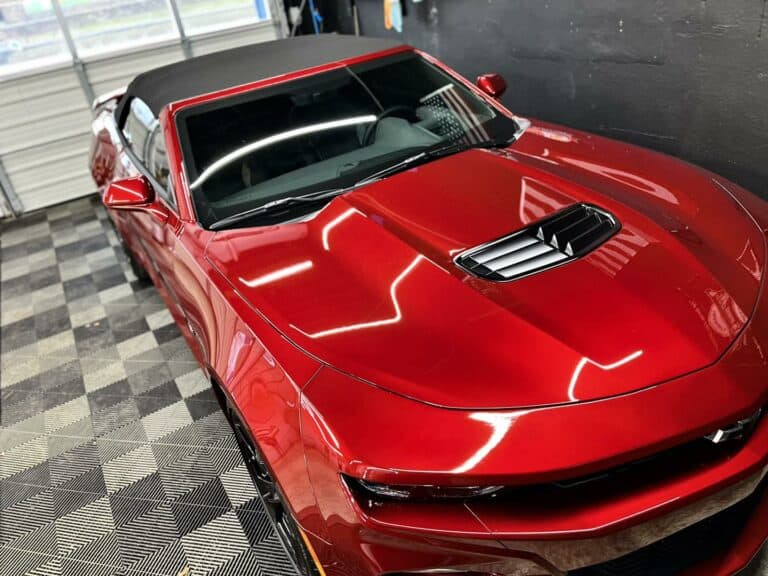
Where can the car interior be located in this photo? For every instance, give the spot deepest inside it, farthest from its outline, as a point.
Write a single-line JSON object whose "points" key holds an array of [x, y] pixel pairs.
{"points": [[319, 131]]}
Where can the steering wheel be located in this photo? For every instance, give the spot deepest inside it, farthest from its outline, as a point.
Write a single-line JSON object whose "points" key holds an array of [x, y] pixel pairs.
{"points": [[371, 130]]}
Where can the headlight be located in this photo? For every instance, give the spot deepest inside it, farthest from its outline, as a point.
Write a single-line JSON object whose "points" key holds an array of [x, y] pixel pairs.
{"points": [[400, 492]]}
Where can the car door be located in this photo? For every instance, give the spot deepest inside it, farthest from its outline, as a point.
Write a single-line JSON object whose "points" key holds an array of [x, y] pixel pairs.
{"points": [[153, 233], [179, 246], [159, 230], [157, 236]]}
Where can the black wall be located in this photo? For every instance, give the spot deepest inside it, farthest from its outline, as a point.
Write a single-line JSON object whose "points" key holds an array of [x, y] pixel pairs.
{"points": [[687, 77]]}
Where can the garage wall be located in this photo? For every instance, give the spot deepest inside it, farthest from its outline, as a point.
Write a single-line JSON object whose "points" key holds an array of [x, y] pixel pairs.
{"points": [[687, 77], [45, 117], [44, 120]]}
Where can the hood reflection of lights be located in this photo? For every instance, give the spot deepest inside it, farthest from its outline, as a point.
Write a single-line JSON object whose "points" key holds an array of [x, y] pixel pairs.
{"points": [[375, 323], [500, 423], [276, 138], [584, 361], [335, 222], [278, 274]]}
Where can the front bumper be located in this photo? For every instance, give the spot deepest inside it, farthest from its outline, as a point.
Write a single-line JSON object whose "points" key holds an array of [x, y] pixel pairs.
{"points": [[488, 538], [724, 532]]}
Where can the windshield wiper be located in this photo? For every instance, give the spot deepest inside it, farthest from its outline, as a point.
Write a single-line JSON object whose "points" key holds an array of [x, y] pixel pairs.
{"points": [[280, 202], [431, 154], [424, 155]]}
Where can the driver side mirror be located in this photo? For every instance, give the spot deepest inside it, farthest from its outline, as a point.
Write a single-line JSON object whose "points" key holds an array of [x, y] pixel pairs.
{"points": [[135, 193], [492, 84], [129, 194]]}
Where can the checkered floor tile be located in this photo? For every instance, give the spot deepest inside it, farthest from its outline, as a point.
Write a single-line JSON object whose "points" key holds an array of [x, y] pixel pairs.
{"points": [[114, 455]]}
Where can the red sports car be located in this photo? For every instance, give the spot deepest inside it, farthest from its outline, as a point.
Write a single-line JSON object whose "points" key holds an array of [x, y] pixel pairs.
{"points": [[451, 340]]}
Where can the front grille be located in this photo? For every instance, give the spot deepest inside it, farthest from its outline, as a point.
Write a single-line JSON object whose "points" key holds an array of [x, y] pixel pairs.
{"points": [[698, 453], [684, 550], [565, 236]]}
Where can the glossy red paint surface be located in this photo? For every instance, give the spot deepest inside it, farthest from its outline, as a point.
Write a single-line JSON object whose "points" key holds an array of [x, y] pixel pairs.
{"points": [[492, 84], [351, 343], [128, 193], [413, 224]]}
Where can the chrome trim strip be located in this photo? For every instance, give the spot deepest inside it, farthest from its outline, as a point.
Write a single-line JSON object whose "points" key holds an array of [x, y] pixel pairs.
{"points": [[522, 126]]}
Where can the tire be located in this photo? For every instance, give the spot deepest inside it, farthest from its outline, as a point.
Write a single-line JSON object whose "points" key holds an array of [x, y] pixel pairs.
{"points": [[138, 270], [274, 502]]}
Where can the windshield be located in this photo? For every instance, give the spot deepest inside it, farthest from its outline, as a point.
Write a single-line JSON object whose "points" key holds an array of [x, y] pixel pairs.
{"points": [[326, 131]]}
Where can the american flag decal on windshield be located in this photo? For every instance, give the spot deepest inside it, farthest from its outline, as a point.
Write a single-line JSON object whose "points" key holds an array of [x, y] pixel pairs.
{"points": [[456, 120]]}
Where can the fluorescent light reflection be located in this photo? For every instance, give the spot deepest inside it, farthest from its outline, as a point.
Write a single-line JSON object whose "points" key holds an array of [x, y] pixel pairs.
{"points": [[276, 138], [584, 361], [394, 319], [335, 222], [500, 423], [278, 274]]}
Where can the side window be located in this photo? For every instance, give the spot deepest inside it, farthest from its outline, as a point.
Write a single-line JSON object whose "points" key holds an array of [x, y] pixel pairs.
{"points": [[138, 127], [143, 134], [157, 164]]}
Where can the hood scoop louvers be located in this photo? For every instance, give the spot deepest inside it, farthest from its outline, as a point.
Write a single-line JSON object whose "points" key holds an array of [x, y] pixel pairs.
{"points": [[565, 236]]}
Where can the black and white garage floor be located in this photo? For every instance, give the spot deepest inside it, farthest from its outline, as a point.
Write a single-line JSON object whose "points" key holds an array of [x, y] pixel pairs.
{"points": [[114, 455]]}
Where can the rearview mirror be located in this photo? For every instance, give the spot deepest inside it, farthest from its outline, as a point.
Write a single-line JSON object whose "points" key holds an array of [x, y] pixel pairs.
{"points": [[129, 194], [492, 84]]}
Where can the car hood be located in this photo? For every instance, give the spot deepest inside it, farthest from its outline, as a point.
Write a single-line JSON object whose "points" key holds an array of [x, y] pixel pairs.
{"points": [[369, 284]]}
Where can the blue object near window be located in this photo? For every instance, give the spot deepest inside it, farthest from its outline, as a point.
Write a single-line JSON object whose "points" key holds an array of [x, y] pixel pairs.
{"points": [[261, 9], [317, 19]]}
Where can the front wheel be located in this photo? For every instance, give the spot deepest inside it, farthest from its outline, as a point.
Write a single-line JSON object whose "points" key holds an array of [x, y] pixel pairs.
{"points": [[269, 492], [138, 270]]}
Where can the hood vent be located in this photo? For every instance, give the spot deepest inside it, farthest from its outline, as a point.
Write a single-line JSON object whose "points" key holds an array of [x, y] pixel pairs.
{"points": [[565, 236]]}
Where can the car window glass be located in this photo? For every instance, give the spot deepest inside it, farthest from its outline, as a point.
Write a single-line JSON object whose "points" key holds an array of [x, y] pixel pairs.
{"points": [[157, 158], [325, 131], [138, 127]]}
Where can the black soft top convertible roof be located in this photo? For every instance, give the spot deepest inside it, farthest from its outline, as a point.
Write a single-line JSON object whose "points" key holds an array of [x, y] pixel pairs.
{"points": [[243, 65]]}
